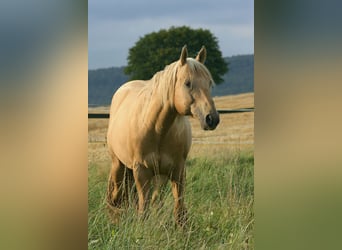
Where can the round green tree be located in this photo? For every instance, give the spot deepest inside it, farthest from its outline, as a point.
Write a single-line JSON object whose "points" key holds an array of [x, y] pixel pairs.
{"points": [[155, 50]]}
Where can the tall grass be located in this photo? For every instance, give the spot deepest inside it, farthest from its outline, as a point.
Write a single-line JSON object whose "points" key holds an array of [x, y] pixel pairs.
{"points": [[219, 196]]}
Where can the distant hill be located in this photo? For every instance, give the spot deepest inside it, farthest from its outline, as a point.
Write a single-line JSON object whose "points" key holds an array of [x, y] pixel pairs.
{"points": [[102, 83], [240, 77]]}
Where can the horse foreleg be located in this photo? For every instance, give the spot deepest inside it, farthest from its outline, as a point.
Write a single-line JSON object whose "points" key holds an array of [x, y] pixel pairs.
{"points": [[159, 182], [142, 177], [178, 186]]}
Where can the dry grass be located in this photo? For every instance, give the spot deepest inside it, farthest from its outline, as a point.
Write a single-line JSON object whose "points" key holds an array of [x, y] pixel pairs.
{"points": [[234, 133]]}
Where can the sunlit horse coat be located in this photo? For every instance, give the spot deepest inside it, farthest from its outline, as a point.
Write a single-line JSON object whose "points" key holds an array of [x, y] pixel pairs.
{"points": [[149, 133]]}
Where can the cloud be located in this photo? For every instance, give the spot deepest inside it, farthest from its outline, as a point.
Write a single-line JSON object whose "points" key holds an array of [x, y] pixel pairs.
{"points": [[115, 27]]}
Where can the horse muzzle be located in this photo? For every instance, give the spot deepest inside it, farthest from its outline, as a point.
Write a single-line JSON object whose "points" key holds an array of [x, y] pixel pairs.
{"points": [[211, 121]]}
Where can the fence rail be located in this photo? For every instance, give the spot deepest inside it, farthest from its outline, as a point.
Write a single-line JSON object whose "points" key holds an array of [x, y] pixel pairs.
{"points": [[220, 111]]}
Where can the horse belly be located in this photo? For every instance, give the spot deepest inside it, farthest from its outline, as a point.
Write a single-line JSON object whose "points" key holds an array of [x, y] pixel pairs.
{"points": [[118, 143]]}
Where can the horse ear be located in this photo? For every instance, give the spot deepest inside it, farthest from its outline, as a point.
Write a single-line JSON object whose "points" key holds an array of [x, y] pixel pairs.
{"points": [[202, 55], [184, 55]]}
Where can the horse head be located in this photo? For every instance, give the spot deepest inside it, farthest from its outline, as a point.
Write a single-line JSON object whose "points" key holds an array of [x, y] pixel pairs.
{"points": [[193, 90]]}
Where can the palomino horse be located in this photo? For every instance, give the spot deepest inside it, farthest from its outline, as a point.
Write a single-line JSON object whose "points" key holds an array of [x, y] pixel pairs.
{"points": [[149, 133]]}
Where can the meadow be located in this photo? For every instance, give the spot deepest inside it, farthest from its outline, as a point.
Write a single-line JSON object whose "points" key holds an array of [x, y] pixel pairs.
{"points": [[219, 190]]}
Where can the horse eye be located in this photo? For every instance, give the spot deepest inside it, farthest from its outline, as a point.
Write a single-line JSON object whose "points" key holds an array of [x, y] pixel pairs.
{"points": [[188, 84]]}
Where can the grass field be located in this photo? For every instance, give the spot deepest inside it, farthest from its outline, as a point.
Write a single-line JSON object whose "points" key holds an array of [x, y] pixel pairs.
{"points": [[219, 190]]}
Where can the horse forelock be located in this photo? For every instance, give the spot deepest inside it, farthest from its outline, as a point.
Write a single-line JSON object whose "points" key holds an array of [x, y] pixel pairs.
{"points": [[199, 69]]}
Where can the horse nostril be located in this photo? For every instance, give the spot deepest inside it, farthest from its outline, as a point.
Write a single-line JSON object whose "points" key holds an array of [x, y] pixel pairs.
{"points": [[209, 120]]}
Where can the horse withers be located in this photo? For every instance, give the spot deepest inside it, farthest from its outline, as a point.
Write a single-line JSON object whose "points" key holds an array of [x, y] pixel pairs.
{"points": [[149, 135]]}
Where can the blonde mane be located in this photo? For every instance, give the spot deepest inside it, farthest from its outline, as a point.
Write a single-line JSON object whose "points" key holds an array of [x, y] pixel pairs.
{"points": [[164, 81]]}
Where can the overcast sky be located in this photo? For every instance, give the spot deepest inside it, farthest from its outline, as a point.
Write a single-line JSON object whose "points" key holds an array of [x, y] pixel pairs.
{"points": [[115, 26]]}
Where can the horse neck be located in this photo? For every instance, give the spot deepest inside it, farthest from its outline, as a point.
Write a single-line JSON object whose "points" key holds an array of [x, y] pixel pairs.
{"points": [[160, 113]]}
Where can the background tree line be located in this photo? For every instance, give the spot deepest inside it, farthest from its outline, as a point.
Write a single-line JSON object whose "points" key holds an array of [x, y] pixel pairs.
{"points": [[102, 83], [152, 52]]}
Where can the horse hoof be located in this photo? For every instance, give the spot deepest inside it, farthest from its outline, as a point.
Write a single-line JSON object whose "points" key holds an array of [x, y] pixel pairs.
{"points": [[114, 214], [182, 218]]}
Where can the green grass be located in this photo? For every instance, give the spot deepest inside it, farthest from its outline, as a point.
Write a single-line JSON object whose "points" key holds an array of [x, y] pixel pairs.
{"points": [[219, 196]]}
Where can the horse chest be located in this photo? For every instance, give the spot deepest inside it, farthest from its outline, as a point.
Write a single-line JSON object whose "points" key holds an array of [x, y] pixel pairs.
{"points": [[167, 162], [159, 155], [160, 163], [161, 152]]}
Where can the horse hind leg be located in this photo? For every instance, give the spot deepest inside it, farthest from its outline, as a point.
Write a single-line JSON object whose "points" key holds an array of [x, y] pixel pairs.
{"points": [[130, 192], [115, 188]]}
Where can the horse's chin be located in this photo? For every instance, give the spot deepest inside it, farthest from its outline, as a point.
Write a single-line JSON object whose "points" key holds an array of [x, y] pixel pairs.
{"points": [[206, 127]]}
